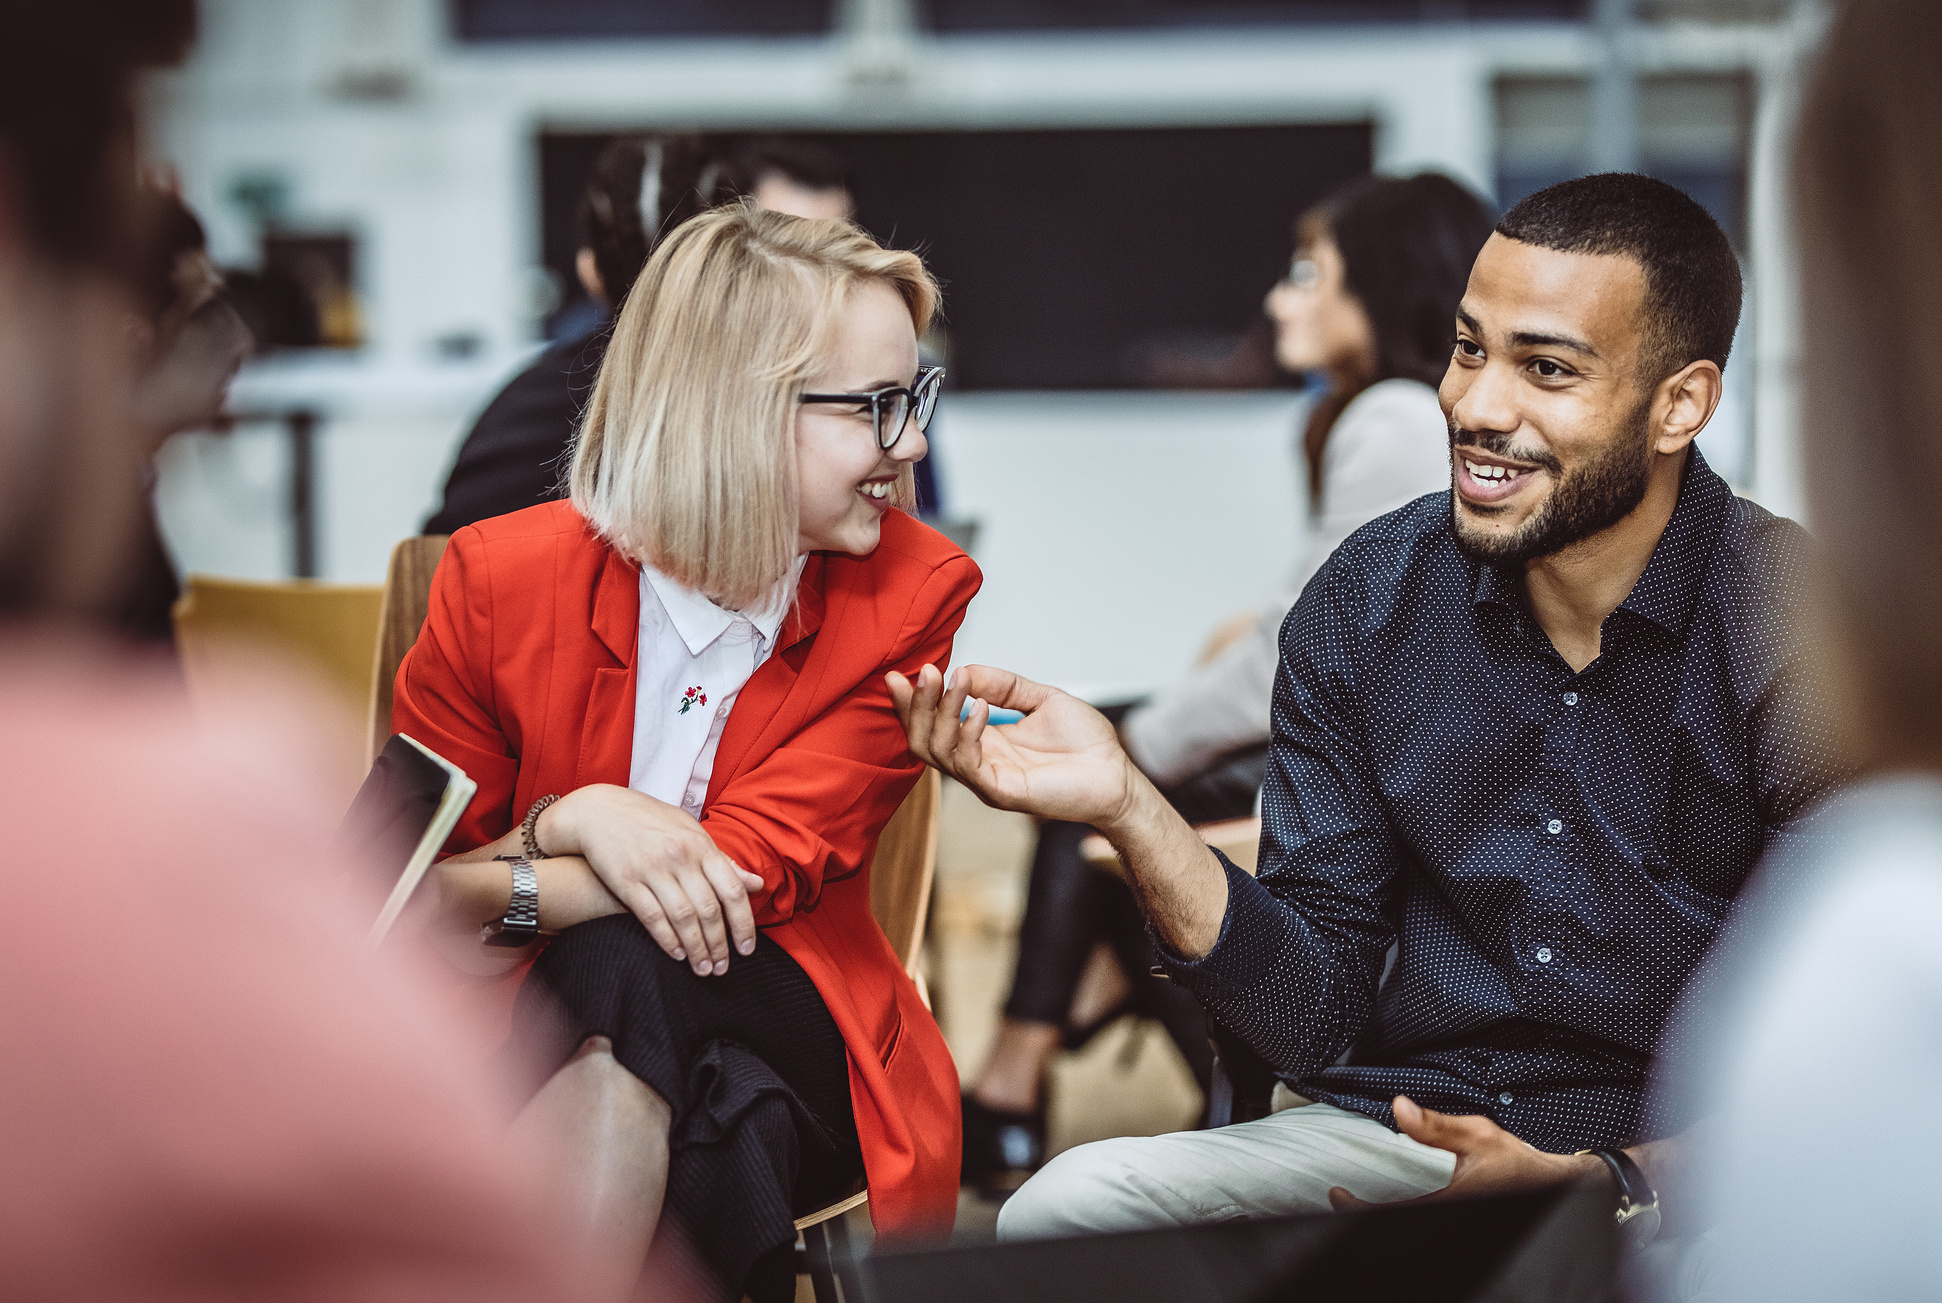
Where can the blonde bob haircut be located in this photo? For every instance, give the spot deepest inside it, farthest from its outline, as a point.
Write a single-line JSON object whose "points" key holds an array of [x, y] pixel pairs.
{"points": [[686, 457]]}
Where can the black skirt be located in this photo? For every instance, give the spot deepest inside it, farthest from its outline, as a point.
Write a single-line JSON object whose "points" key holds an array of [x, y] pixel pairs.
{"points": [[751, 1065]]}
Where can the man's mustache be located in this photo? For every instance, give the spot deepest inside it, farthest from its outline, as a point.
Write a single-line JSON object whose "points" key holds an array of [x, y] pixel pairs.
{"points": [[1498, 444]]}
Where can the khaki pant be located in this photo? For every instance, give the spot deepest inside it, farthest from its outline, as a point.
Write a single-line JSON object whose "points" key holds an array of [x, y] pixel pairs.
{"points": [[1283, 1163]]}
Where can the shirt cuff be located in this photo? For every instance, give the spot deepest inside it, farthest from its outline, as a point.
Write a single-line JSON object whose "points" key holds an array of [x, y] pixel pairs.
{"points": [[1251, 936]]}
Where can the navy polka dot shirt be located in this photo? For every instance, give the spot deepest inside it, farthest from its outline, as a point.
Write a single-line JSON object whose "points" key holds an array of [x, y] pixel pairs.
{"points": [[1550, 852]]}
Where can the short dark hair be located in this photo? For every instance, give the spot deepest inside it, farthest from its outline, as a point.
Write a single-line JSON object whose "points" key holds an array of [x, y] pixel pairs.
{"points": [[1692, 276], [66, 121], [809, 163], [615, 214]]}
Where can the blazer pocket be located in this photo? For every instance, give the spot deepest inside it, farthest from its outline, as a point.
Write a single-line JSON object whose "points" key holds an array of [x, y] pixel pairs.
{"points": [[891, 1043]]}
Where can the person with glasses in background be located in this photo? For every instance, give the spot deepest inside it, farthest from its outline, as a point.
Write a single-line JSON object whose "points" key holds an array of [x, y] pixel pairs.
{"points": [[670, 692], [1366, 308]]}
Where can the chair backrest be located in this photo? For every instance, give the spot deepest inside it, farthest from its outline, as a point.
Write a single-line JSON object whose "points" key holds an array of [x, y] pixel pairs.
{"points": [[901, 874], [328, 628], [407, 597]]}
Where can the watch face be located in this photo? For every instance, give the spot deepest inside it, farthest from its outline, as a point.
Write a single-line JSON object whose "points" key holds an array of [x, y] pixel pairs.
{"points": [[1638, 1224]]}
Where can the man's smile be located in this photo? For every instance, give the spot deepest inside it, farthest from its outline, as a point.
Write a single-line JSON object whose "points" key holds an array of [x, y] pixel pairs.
{"points": [[1486, 480]]}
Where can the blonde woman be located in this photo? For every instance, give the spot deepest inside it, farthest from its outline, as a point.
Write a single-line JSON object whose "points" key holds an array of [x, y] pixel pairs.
{"points": [[670, 692]]}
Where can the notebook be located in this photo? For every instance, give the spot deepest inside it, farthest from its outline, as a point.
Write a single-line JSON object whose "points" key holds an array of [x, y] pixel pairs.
{"points": [[409, 804]]}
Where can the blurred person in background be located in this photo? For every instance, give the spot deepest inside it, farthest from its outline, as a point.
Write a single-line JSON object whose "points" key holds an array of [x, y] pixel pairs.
{"points": [[1366, 308], [1535, 733], [208, 1092], [515, 457], [670, 692], [789, 174], [1816, 1045], [192, 341]]}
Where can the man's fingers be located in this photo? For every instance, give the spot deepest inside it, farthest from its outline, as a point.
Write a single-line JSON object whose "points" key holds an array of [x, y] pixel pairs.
{"points": [[947, 731], [1428, 1127], [916, 703], [1342, 1201], [1002, 688]]}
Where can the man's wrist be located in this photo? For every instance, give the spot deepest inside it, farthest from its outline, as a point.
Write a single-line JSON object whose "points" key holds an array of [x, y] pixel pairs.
{"points": [[1140, 810]]}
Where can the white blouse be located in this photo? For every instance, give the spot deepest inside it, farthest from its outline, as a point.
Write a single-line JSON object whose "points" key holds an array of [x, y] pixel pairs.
{"points": [[692, 661]]}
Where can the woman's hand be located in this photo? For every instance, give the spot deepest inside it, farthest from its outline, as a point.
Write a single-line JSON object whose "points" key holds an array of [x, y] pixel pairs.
{"points": [[660, 864]]}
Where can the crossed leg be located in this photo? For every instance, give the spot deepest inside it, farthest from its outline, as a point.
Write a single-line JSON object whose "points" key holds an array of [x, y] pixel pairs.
{"points": [[1280, 1164]]}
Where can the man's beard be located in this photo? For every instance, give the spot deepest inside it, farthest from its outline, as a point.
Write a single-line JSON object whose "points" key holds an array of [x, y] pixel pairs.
{"points": [[1594, 497]]}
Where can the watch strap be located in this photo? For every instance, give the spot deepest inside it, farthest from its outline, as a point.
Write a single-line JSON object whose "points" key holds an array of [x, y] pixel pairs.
{"points": [[520, 926], [1638, 1202]]}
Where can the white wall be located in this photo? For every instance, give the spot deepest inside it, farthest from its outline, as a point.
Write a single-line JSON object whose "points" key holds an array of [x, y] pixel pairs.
{"points": [[1117, 526]]}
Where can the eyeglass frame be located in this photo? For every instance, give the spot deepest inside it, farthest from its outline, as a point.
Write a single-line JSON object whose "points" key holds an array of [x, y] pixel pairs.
{"points": [[921, 395]]}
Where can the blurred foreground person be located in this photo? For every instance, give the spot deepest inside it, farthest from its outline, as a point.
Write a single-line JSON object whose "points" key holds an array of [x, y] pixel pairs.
{"points": [[515, 457], [190, 341], [1834, 997], [1536, 732], [208, 1093], [670, 692], [1378, 269]]}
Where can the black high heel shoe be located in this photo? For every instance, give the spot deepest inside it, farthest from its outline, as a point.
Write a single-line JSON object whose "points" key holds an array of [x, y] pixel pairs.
{"points": [[1001, 1148]]}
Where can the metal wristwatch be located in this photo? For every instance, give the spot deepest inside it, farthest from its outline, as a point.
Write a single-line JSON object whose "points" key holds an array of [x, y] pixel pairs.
{"points": [[520, 926], [1638, 1202]]}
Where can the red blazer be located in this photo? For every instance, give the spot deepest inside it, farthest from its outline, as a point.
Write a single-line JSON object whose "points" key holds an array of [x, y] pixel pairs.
{"points": [[524, 677]]}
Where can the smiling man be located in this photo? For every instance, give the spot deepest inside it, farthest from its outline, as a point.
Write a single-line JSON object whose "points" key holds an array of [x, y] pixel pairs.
{"points": [[1534, 733]]}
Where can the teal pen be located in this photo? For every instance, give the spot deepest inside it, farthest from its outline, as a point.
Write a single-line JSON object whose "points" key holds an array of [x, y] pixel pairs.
{"points": [[997, 716]]}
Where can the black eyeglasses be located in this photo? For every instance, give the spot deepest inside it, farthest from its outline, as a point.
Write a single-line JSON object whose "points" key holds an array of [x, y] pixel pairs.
{"points": [[891, 408]]}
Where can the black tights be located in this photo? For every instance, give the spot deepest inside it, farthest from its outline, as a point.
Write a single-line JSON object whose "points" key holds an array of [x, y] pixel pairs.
{"points": [[1071, 906]]}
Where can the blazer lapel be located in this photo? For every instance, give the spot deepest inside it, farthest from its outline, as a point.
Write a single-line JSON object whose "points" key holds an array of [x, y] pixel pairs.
{"points": [[774, 702], [607, 735]]}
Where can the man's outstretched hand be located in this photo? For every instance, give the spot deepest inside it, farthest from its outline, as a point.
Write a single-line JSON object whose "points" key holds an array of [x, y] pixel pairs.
{"points": [[1062, 761], [1490, 1160]]}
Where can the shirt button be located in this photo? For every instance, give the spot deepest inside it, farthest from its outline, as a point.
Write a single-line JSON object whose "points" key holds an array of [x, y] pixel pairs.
{"points": [[1555, 826], [721, 712], [1504, 1098], [1544, 954], [1570, 698]]}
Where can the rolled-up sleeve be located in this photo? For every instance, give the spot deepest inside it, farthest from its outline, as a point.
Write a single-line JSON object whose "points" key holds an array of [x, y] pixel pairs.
{"points": [[1295, 969]]}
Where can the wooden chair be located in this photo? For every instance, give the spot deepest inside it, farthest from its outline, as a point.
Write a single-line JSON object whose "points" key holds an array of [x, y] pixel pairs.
{"points": [[901, 876], [327, 628], [407, 597]]}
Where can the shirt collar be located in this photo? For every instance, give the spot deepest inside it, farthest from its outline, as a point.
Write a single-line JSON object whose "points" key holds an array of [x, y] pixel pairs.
{"points": [[1667, 590], [699, 621]]}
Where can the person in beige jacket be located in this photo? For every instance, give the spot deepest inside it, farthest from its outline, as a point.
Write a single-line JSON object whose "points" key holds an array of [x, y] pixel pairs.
{"points": [[1367, 306]]}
